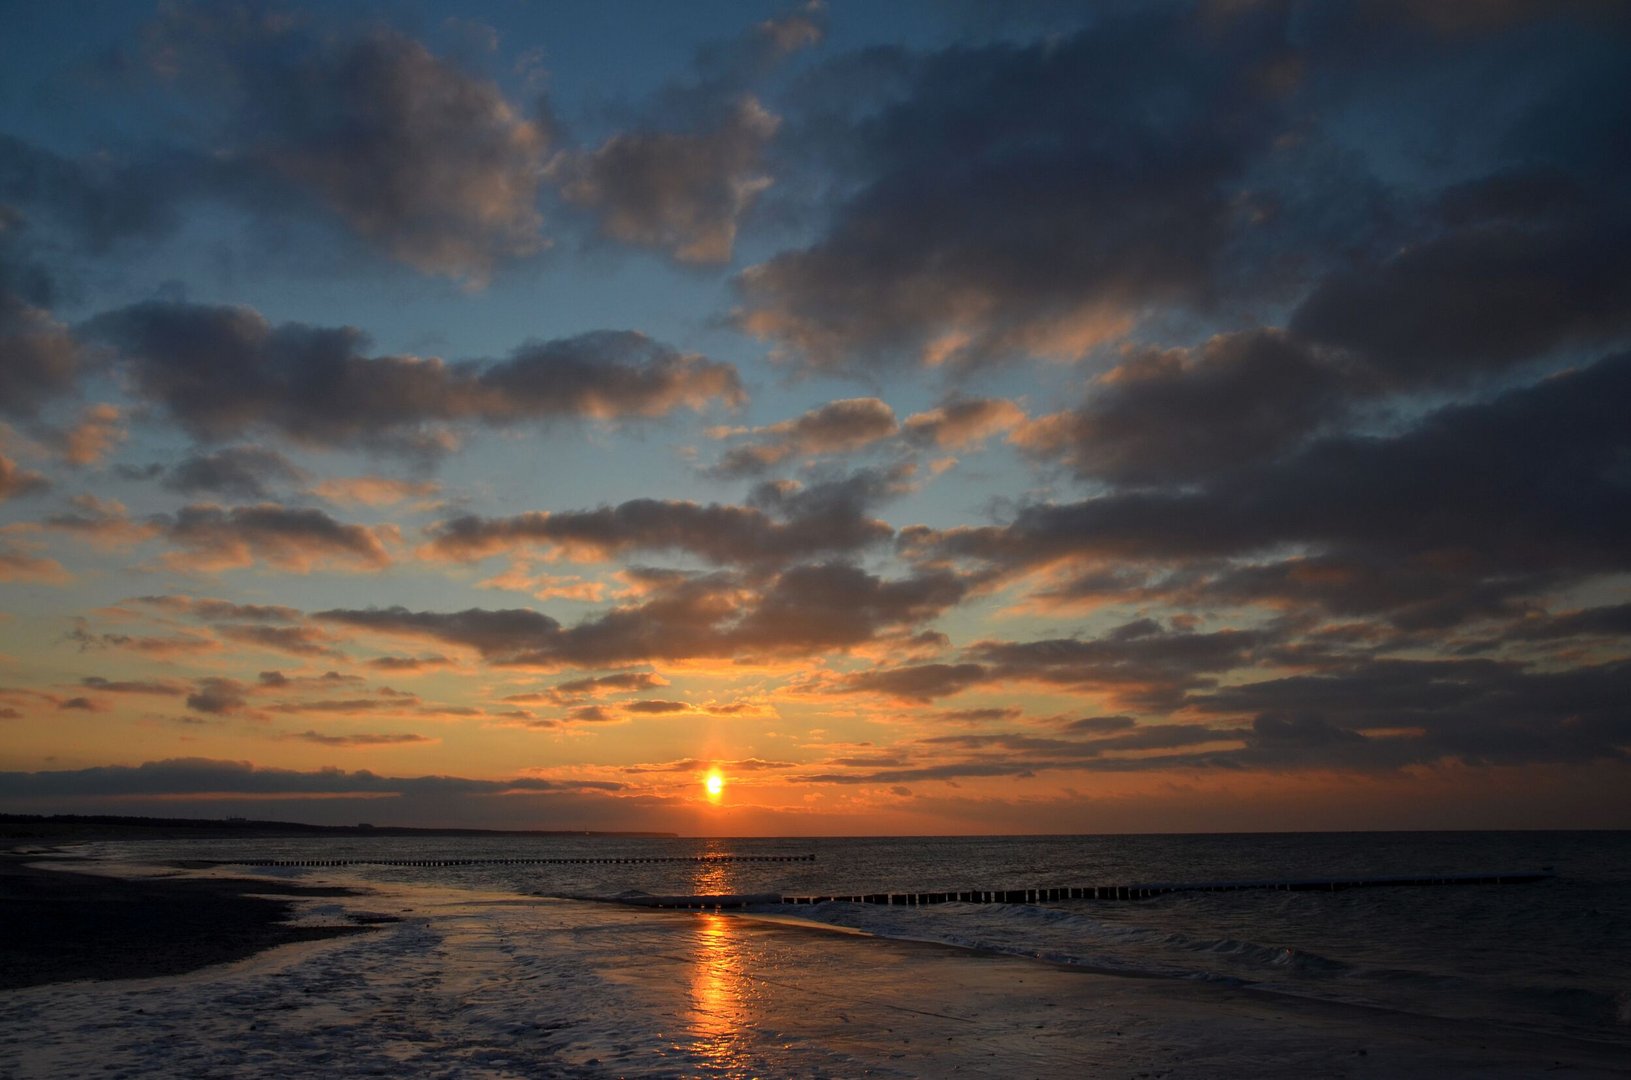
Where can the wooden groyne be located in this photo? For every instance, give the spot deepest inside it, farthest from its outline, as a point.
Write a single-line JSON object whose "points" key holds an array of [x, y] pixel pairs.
{"points": [[1075, 892], [631, 860]]}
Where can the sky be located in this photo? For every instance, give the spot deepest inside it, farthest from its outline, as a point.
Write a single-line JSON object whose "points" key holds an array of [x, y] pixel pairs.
{"points": [[932, 418]]}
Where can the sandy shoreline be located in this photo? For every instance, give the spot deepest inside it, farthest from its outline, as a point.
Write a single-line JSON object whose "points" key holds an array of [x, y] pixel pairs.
{"points": [[514, 986], [64, 926]]}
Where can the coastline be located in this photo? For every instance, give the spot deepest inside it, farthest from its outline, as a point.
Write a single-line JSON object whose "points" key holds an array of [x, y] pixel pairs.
{"points": [[65, 926], [564, 988]]}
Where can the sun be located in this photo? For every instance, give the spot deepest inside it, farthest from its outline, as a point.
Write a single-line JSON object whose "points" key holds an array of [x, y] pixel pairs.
{"points": [[714, 784]]}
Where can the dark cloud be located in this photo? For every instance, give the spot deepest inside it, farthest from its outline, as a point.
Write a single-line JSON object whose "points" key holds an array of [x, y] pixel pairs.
{"points": [[226, 372], [408, 663], [620, 683], [321, 739], [657, 706], [834, 428], [99, 201], [1033, 198], [1528, 264], [803, 610], [243, 472], [978, 716], [1479, 712], [1176, 415], [200, 776], [217, 695], [729, 768], [41, 358], [1531, 484], [1099, 724], [918, 682], [1022, 755], [213, 610], [429, 162], [1149, 668], [786, 522], [1608, 621], [287, 538], [102, 522], [159, 647], [295, 640], [678, 192], [690, 165]]}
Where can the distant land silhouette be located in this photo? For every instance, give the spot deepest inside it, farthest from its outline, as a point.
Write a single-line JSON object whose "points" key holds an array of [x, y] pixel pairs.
{"points": [[83, 826]]}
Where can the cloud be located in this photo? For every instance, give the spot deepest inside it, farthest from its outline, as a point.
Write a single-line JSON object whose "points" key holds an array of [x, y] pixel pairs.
{"points": [[94, 437], [678, 192], [690, 165], [289, 539], [1528, 487], [788, 522], [309, 641], [15, 480], [963, 422], [374, 490], [99, 200], [243, 472], [656, 706], [729, 768], [1140, 663], [360, 740], [19, 563], [409, 663], [213, 610], [225, 372], [1177, 415], [162, 687], [42, 358], [1525, 263], [623, 682], [1478, 712], [430, 163], [802, 610], [1030, 199], [201, 776], [834, 428], [159, 647], [917, 682], [218, 696], [104, 522]]}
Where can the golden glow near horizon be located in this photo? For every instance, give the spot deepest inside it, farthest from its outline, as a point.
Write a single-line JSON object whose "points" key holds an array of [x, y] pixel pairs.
{"points": [[714, 784]]}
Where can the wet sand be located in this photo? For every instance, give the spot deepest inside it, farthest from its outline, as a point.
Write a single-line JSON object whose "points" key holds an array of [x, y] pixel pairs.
{"points": [[61, 926], [510, 986]]}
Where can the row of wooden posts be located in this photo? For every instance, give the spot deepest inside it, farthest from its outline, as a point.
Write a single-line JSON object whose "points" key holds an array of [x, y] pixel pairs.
{"points": [[1073, 892], [510, 862]]}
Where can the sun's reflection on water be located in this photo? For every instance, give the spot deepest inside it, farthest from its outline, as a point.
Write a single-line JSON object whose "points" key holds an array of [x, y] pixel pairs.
{"points": [[720, 993], [713, 878]]}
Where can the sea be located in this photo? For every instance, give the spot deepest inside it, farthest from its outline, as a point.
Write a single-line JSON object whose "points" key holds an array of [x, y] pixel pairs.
{"points": [[1549, 959]]}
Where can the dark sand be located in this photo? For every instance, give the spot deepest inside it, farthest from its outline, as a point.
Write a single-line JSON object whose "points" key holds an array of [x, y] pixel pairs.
{"points": [[58, 926]]}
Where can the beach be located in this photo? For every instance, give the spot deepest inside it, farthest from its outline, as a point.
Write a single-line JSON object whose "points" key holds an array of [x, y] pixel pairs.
{"points": [[63, 926], [474, 983]]}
